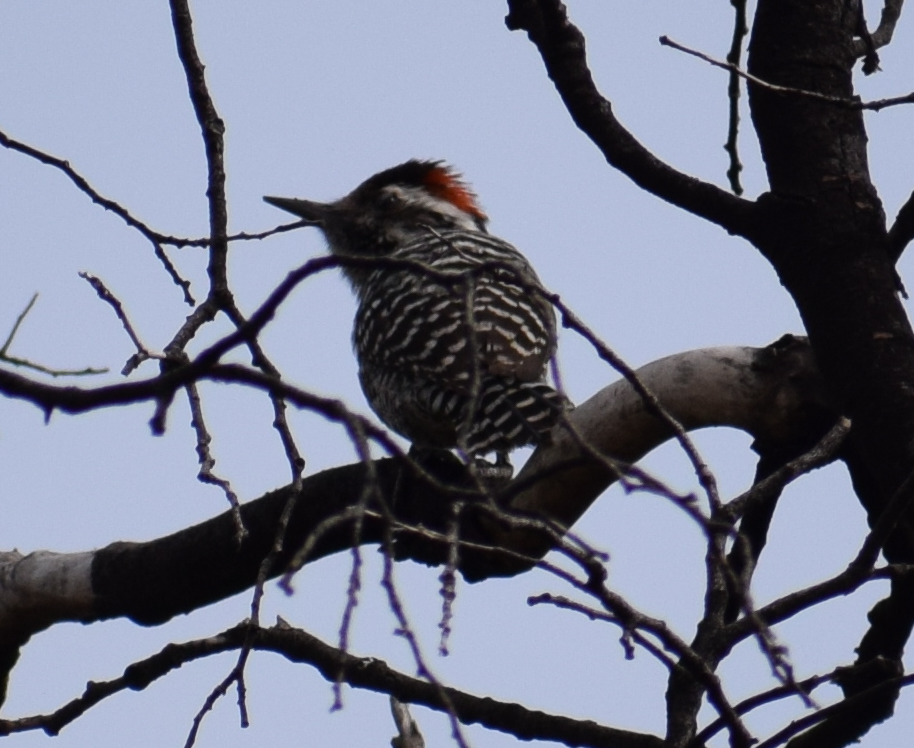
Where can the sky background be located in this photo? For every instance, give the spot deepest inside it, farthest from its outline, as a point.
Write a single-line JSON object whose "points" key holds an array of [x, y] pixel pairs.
{"points": [[316, 96]]}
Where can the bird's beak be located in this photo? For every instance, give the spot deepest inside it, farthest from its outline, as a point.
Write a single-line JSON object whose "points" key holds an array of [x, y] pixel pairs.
{"points": [[310, 211]]}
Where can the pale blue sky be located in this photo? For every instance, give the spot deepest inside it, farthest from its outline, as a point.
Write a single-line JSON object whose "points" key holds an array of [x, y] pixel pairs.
{"points": [[316, 96]]}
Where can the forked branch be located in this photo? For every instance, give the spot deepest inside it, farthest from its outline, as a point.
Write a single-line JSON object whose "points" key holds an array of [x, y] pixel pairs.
{"points": [[561, 45]]}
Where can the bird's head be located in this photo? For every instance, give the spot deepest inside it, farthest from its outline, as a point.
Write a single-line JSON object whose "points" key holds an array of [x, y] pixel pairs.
{"points": [[391, 208]]}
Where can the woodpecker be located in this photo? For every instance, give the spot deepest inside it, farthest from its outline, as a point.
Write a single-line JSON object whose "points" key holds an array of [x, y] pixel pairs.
{"points": [[453, 341]]}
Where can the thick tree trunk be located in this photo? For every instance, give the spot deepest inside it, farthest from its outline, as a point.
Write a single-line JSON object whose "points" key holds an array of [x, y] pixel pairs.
{"points": [[823, 229]]}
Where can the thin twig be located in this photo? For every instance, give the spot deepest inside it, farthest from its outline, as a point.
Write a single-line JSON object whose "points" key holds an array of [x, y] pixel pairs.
{"points": [[448, 578], [804, 723], [405, 630], [212, 129], [628, 634], [843, 583], [632, 619], [142, 352], [217, 693], [241, 236], [761, 699], [850, 103], [25, 363], [371, 489], [652, 404], [740, 29], [280, 421], [263, 571], [369, 673], [154, 238], [208, 462], [690, 659], [353, 587], [822, 453], [4, 350]]}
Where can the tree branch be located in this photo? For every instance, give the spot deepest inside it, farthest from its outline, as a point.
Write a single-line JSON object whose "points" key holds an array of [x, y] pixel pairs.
{"points": [[882, 36], [849, 102], [368, 673], [156, 239], [740, 29], [561, 45], [902, 231], [213, 129], [764, 391]]}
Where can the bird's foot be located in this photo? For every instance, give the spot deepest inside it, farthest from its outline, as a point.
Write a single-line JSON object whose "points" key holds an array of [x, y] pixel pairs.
{"points": [[494, 474]]}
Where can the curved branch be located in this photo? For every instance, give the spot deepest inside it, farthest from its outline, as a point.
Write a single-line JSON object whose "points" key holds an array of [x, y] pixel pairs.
{"points": [[768, 392], [771, 393], [368, 673], [882, 36], [561, 45]]}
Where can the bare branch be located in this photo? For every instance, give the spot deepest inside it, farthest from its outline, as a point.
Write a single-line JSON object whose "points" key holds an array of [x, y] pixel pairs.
{"points": [[684, 384], [448, 579], [217, 693], [690, 659], [206, 460], [156, 239], [25, 363], [369, 673], [239, 237], [871, 56], [213, 129], [408, 734], [4, 350], [849, 103], [629, 634], [280, 422], [652, 404], [849, 580], [882, 36], [821, 454], [562, 47], [142, 352], [149, 582], [766, 697], [740, 29], [406, 631], [838, 709]]}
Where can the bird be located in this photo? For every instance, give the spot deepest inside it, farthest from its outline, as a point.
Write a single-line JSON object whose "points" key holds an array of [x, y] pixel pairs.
{"points": [[452, 333]]}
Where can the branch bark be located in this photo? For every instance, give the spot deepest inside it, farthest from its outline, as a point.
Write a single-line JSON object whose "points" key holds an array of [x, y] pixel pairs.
{"points": [[823, 230], [562, 47], [882, 36], [368, 673], [770, 392]]}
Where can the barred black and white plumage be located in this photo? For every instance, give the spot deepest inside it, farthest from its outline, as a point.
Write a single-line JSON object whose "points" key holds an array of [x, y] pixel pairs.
{"points": [[452, 339]]}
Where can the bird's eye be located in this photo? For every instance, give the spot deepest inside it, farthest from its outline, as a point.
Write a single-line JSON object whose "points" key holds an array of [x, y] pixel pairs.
{"points": [[390, 201]]}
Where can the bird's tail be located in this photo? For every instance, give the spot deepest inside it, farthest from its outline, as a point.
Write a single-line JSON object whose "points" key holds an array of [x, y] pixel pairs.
{"points": [[510, 413]]}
